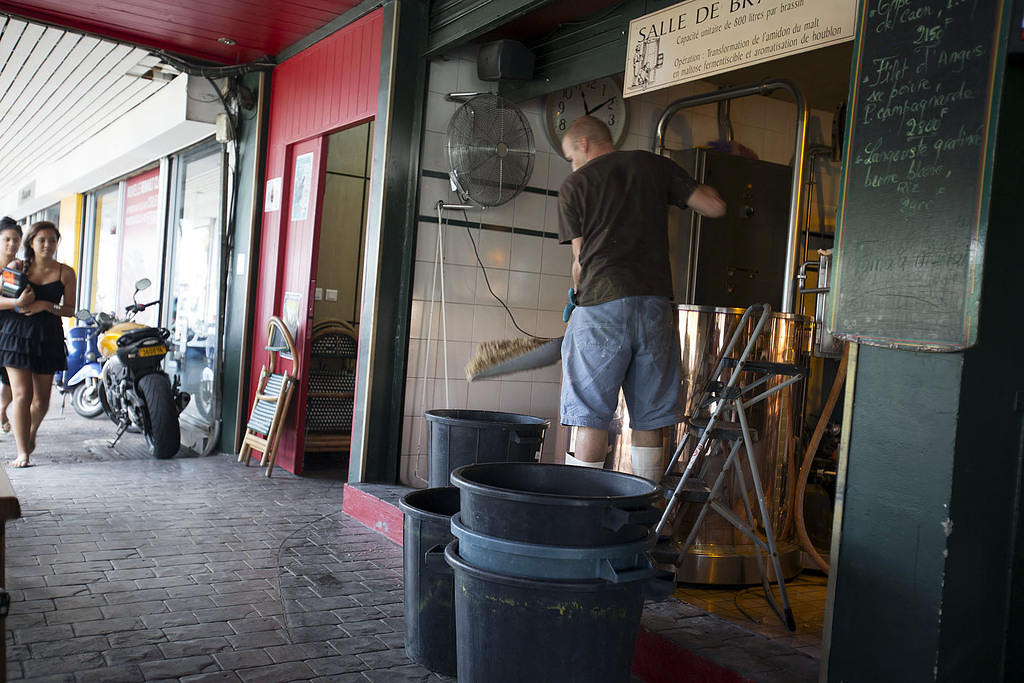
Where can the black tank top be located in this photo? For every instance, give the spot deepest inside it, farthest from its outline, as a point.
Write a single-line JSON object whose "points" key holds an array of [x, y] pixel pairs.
{"points": [[51, 291]]}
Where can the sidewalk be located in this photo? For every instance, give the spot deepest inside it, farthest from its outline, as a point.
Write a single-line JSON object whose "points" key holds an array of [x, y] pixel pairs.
{"points": [[126, 568]]}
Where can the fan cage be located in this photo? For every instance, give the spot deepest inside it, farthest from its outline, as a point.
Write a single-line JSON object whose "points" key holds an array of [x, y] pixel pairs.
{"points": [[490, 150]]}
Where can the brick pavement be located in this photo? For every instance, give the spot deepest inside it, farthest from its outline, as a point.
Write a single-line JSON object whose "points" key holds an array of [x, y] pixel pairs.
{"points": [[126, 568]]}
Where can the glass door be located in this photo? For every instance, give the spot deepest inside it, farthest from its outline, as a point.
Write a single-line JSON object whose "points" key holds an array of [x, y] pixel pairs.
{"points": [[192, 299], [106, 249]]}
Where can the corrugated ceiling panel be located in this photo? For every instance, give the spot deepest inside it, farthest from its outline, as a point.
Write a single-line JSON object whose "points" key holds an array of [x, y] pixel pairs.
{"points": [[58, 89]]}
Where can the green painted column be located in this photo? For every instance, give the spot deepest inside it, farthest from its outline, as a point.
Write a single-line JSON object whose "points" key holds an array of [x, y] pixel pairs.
{"points": [[390, 245], [927, 561], [244, 248]]}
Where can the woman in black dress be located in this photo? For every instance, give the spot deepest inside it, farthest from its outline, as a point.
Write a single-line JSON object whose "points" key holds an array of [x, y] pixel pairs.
{"points": [[10, 242], [32, 344]]}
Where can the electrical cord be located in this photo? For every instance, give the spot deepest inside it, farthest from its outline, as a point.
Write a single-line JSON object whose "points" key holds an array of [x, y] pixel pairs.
{"points": [[210, 70], [280, 550], [791, 586], [487, 281]]}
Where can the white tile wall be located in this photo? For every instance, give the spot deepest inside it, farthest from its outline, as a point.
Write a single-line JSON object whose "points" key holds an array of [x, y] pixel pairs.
{"points": [[526, 252], [529, 272]]}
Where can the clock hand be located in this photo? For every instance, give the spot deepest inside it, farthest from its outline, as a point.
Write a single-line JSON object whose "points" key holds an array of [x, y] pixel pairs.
{"points": [[599, 106], [583, 96]]}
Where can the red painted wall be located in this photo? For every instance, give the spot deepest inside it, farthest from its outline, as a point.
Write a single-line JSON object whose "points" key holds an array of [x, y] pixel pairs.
{"points": [[330, 86]]}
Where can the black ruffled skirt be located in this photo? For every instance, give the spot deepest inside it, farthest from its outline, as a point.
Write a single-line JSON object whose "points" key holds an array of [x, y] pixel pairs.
{"points": [[33, 342]]}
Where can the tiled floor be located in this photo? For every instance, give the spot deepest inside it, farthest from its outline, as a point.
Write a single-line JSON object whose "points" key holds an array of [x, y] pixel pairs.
{"points": [[747, 607], [125, 568]]}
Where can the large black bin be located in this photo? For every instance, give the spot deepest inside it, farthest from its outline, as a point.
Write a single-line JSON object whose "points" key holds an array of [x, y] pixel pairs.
{"points": [[556, 504], [514, 629], [429, 598], [464, 437]]}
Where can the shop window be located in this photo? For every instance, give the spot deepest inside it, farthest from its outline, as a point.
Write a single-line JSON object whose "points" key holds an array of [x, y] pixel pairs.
{"points": [[141, 231], [192, 299], [106, 251]]}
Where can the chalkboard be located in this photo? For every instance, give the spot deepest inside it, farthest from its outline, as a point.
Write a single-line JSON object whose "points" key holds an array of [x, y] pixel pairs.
{"points": [[913, 204]]}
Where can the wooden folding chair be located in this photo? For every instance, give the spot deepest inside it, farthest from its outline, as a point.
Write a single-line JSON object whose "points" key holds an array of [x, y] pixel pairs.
{"points": [[273, 396]]}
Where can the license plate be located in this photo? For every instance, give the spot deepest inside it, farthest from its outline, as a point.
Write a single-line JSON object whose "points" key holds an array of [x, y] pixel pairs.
{"points": [[152, 351]]}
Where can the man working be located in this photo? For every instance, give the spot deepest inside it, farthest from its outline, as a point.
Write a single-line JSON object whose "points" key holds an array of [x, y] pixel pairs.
{"points": [[613, 208]]}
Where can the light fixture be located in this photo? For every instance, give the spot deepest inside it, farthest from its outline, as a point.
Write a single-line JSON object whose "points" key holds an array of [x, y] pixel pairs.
{"points": [[224, 40]]}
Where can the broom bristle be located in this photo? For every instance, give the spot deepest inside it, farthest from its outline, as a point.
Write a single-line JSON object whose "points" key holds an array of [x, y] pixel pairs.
{"points": [[491, 353]]}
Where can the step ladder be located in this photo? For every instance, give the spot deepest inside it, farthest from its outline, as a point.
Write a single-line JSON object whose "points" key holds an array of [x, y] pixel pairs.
{"points": [[715, 435]]}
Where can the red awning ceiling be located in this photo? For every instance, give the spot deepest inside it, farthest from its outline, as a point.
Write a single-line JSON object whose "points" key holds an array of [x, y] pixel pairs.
{"points": [[197, 28]]}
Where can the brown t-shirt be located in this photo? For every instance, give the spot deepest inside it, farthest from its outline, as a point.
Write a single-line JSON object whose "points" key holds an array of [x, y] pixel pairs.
{"points": [[618, 203]]}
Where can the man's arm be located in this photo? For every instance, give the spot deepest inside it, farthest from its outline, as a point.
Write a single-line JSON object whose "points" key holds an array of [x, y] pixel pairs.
{"points": [[706, 201], [577, 244]]}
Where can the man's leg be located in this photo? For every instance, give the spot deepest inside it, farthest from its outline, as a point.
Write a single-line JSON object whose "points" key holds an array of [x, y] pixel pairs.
{"points": [[591, 447], [647, 454], [595, 356], [652, 385]]}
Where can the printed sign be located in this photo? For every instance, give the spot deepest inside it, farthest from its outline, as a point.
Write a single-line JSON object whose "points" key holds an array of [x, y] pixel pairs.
{"points": [[272, 197], [301, 186], [290, 310], [700, 38]]}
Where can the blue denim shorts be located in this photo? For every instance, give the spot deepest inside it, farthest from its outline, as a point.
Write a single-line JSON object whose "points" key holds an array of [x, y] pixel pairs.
{"points": [[632, 344]]}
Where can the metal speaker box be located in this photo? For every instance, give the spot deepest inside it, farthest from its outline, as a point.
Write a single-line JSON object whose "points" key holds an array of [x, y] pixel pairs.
{"points": [[504, 60]]}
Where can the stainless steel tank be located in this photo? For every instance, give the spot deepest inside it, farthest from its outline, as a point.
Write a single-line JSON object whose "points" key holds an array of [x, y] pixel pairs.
{"points": [[721, 554]]}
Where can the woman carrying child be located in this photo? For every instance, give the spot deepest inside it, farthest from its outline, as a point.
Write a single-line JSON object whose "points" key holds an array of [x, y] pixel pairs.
{"points": [[32, 344], [10, 242]]}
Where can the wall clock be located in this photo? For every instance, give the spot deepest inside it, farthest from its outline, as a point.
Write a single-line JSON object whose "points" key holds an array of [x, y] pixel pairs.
{"points": [[601, 98]]}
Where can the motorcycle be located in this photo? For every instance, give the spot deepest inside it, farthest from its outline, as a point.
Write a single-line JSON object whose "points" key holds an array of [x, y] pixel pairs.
{"points": [[81, 379], [134, 390]]}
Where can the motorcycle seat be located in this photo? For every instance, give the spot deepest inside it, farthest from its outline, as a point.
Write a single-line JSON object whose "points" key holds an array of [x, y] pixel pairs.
{"points": [[134, 336]]}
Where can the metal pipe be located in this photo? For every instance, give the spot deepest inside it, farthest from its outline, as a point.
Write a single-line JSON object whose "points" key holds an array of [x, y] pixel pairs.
{"points": [[812, 153], [462, 96], [762, 88], [802, 273]]}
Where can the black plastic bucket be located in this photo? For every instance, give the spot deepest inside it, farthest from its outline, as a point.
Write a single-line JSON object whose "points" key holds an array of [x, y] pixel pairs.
{"points": [[556, 504], [614, 563], [463, 437], [519, 629], [429, 598]]}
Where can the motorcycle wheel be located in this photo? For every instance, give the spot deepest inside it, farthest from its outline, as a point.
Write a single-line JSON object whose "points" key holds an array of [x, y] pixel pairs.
{"points": [[164, 433], [85, 399]]}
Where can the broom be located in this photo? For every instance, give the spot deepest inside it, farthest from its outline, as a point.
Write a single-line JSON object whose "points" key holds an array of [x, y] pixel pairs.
{"points": [[506, 356]]}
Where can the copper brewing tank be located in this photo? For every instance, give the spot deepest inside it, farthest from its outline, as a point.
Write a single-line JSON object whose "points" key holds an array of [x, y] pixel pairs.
{"points": [[721, 554]]}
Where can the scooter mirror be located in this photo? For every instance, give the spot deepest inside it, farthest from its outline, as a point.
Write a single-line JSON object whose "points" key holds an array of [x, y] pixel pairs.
{"points": [[142, 284], [83, 314]]}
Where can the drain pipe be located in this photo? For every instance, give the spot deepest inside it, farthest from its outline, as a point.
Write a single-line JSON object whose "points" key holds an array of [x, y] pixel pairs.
{"points": [[762, 88]]}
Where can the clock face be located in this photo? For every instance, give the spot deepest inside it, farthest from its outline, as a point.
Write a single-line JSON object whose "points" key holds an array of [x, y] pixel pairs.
{"points": [[601, 99]]}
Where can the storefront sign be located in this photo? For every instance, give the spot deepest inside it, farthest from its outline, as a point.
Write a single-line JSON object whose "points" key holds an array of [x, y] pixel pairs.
{"points": [[700, 38]]}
